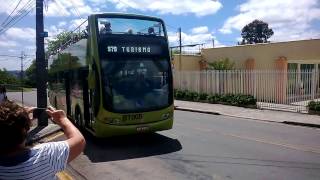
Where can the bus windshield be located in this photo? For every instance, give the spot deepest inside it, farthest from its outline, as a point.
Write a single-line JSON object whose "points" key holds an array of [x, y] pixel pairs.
{"points": [[129, 26], [136, 84]]}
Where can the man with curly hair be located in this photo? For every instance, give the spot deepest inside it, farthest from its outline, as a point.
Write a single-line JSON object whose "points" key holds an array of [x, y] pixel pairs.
{"points": [[17, 161]]}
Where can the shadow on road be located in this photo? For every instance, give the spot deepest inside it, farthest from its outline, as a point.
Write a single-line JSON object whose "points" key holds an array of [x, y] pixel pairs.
{"points": [[241, 161], [129, 147]]}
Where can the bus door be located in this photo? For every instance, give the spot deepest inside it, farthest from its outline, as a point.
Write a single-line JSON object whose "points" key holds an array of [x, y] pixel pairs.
{"points": [[85, 95]]}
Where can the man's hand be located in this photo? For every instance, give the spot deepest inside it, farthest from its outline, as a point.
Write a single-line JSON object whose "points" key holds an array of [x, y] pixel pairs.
{"points": [[58, 116], [29, 109], [75, 139]]}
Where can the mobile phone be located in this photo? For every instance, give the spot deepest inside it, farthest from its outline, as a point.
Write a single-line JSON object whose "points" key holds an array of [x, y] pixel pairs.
{"points": [[37, 112]]}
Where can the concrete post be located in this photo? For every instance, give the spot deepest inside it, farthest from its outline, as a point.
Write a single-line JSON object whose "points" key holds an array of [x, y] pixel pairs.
{"points": [[282, 68], [250, 65]]}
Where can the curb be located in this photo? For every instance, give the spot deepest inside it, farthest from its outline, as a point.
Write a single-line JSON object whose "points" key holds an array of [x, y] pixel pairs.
{"points": [[302, 124], [217, 113], [37, 138], [196, 110]]}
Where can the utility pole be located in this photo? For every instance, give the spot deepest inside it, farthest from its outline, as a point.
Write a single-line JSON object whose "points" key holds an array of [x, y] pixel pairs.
{"points": [[180, 49], [21, 76], [41, 67], [213, 42]]}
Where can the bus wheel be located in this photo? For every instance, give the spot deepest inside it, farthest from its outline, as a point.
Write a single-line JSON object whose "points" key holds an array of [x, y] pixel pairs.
{"points": [[78, 118]]}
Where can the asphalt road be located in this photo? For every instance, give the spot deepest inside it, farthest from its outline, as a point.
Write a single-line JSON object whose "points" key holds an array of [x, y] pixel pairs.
{"points": [[202, 146], [29, 98]]}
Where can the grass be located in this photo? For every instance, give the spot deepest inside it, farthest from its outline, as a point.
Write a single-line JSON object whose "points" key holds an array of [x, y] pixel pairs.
{"points": [[18, 89]]}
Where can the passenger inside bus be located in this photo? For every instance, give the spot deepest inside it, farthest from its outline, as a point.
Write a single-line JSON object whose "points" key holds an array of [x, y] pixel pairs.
{"points": [[107, 27], [151, 31]]}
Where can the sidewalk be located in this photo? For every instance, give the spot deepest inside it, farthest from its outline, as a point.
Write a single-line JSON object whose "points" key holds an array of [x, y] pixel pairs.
{"points": [[255, 114], [37, 133]]}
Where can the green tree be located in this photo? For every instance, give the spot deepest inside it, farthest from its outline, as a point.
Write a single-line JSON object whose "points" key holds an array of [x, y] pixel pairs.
{"points": [[63, 39], [30, 74], [64, 61], [256, 32], [7, 78], [221, 64]]}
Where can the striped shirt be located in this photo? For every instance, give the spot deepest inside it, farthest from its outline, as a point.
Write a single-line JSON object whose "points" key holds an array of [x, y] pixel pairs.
{"points": [[40, 162]]}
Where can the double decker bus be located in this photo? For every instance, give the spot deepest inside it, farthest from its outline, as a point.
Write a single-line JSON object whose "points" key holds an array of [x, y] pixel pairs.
{"points": [[117, 80]]}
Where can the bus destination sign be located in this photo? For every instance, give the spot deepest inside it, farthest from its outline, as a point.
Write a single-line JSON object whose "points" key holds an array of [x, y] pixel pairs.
{"points": [[129, 49]]}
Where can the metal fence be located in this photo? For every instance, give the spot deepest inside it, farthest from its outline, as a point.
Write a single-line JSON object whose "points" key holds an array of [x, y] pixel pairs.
{"points": [[280, 90], [16, 88]]}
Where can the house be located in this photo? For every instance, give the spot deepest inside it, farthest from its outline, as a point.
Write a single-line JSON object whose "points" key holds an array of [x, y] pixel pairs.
{"points": [[293, 55], [280, 72]]}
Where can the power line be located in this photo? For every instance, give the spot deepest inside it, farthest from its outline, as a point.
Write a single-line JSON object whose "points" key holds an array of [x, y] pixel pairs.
{"points": [[16, 15], [127, 4], [11, 13], [13, 4], [172, 27], [21, 17], [75, 8], [57, 3], [1, 55], [27, 8], [8, 55]]}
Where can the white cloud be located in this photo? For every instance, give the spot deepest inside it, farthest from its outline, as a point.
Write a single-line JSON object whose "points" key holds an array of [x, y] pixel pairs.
{"points": [[289, 19], [197, 7], [53, 31], [28, 34], [68, 8], [8, 5], [204, 38], [200, 30], [62, 23], [7, 43], [77, 22]]}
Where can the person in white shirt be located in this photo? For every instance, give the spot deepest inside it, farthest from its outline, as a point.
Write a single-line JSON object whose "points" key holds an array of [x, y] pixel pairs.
{"points": [[17, 161]]}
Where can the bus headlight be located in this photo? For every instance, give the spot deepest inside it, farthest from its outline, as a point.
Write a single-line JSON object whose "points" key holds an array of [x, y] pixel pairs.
{"points": [[116, 121], [112, 121], [165, 116]]}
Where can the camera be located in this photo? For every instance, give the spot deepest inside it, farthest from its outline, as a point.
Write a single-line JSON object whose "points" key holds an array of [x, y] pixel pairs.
{"points": [[38, 112]]}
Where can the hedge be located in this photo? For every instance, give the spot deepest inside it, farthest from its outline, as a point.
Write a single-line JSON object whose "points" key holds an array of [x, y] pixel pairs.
{"points": [[228, 99], [314, 106]]}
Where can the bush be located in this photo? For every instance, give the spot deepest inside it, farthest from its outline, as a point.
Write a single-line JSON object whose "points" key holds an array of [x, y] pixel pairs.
{"points": [[317, 107], [188, 96], [213, 99], [312, 105], [203, 96], [180, 95], [229, 99]]}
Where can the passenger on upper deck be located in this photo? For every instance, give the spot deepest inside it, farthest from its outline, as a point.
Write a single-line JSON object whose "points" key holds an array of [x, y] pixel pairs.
{"points": [[129, 31], [151, 31], [107, 27]]}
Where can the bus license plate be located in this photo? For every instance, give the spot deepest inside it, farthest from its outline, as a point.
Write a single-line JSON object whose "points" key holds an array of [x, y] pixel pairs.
{"points": [[142, 129], [132, 117]]}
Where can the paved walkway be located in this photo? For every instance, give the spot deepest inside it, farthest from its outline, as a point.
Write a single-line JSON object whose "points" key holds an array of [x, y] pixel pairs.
{"points": [[263, 115]]}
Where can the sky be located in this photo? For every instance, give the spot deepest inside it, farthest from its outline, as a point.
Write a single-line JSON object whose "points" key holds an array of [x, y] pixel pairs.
{"points": [[201, 21]]}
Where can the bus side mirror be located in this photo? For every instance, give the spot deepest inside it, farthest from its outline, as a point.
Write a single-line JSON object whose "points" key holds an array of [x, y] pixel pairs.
{"points": [[91, 80]]}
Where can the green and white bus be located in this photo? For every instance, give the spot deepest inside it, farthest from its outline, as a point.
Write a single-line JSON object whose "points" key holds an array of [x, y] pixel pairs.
{"points": [[118, 79]]}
